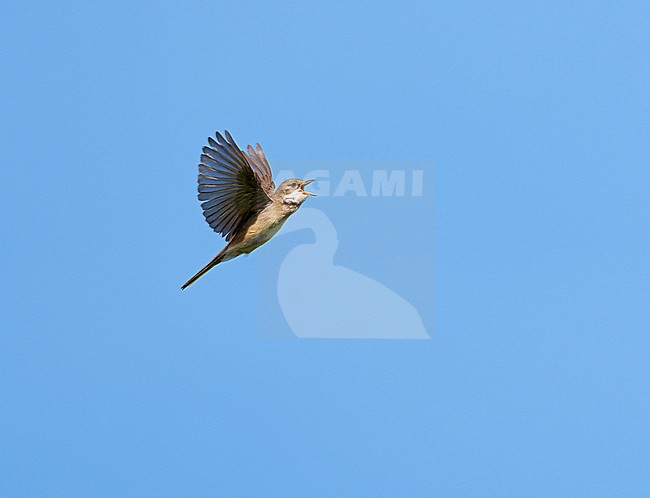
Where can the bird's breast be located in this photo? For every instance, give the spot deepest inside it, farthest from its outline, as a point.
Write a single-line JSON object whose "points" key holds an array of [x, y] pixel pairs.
{"points": [[265, 226]]}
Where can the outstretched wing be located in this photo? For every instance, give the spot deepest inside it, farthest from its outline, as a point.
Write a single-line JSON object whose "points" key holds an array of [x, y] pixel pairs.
{"points": [[232, 190]]}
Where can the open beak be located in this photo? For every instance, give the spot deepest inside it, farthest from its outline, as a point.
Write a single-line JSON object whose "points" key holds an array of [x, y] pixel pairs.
{"points": [[304, 185]]}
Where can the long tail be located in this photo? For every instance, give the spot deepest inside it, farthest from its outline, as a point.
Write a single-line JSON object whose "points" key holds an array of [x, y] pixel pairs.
{"points": [[214, 262]]}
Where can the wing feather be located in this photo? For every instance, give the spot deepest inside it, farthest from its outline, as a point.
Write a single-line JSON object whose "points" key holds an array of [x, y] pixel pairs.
{"points": [[262, 168]]}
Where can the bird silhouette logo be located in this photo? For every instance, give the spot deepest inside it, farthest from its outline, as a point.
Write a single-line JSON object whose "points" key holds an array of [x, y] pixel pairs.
{"points": [[342, 303]]}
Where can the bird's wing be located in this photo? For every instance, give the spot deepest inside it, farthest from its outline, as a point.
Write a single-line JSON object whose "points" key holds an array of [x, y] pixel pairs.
{"points": [[231, 189], [262, 168]]}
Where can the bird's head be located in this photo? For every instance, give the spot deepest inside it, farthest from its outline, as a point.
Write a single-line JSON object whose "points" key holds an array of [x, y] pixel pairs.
{"points": [[292, 191]]}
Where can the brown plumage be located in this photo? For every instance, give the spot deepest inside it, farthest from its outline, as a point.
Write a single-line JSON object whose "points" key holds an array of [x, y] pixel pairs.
{"points": [[240, 201]]}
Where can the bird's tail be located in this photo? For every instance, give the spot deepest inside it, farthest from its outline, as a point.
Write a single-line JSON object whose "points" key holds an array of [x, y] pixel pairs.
{"points": [[214, 262]]}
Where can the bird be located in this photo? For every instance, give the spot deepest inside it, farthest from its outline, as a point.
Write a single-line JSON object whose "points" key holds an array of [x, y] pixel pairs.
{"points": [[239, 199]]}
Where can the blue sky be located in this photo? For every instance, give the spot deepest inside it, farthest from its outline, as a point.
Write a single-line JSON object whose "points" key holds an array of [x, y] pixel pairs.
{"points": [[527, 255]]}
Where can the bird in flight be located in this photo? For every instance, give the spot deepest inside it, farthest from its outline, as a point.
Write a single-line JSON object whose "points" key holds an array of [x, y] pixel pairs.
{"points": [[240, 201]]}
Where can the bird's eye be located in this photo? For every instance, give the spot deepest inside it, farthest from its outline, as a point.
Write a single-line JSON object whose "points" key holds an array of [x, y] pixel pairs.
{"points": [[293, 184]]}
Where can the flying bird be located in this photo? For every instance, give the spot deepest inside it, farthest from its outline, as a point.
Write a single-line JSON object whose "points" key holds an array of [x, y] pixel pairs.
{"points": [[240, 201]]}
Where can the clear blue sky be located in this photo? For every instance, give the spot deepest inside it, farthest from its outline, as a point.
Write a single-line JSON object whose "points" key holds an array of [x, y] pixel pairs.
{"points": [[536, 246]]}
